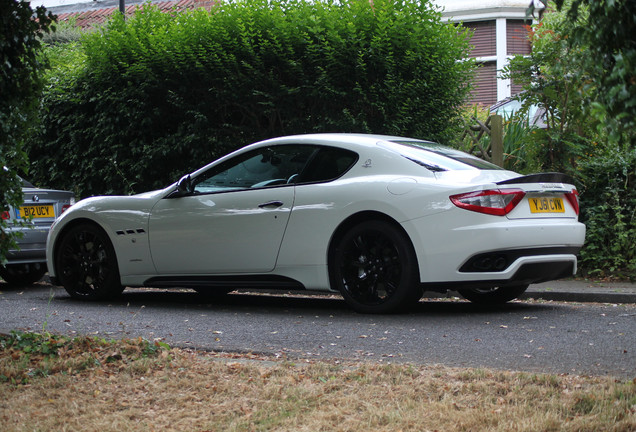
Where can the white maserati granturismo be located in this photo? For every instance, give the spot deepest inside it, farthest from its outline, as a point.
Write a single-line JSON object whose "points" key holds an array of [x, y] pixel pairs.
{"points": [[379, 219]]}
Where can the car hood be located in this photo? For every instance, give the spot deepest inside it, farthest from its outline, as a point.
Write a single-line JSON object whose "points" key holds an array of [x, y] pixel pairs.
{"points": [[155, 193], [99, 206]]}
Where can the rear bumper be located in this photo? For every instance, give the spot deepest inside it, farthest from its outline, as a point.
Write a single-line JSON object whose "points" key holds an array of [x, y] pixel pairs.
{"points": [[490, 249], [499, 261], [32, 245], [28, 253], [526, 274]]}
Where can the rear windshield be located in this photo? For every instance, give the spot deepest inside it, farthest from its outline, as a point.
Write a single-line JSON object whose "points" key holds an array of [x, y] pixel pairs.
{"points": [[437, 157]]}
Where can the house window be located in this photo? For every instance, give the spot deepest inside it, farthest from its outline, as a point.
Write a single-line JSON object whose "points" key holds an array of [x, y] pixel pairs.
{"points": [[484, 40], [485, 85], [518, 37]]}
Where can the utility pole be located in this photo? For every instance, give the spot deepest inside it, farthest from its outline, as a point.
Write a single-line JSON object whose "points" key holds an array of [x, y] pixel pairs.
{"points": [[122, 7]]}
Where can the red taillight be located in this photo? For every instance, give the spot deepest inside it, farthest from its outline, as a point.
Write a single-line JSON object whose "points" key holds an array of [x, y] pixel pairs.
{"points": [[573, 199], [6, 215], [497, 202], [65, 207]]}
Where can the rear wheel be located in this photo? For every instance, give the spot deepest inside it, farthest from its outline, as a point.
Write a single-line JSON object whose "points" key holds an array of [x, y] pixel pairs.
{"points": [[496, 295], [86, 264], [22, 274], [375, 268]]}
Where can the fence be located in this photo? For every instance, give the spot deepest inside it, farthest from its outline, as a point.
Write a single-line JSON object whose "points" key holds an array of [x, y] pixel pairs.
{"points": [[477, 134]]}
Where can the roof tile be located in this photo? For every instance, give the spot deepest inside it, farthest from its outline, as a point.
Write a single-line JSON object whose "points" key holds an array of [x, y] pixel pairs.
{"points": [[93, 17]]}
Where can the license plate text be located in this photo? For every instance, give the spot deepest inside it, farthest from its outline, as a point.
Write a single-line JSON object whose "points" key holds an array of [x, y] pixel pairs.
{"points": [[42, 211], [546, 205]]}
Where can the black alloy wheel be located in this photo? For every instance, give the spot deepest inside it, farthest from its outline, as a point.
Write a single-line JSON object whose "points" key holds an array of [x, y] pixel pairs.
{"points": [[86, 264], [22, 274], [493, 296], [375, 268]]}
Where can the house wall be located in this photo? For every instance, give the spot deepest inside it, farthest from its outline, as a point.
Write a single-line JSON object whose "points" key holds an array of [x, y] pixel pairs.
{"points": [[499, 32]]}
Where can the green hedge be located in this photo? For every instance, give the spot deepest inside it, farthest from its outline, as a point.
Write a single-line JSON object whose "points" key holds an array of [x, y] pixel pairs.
{"points": [[161, 94], [608, 209]]}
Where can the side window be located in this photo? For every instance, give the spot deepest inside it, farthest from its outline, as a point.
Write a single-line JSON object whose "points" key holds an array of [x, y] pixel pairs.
{"points": [[264, 167], [328, 164]]}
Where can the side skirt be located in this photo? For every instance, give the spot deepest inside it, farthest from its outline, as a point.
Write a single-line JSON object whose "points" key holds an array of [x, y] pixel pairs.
{"points": [[235, 282]]}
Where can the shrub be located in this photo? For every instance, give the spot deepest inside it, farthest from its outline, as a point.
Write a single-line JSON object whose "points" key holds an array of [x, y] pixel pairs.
{"points": [[608, 208], [20, 82], [160, 94]]}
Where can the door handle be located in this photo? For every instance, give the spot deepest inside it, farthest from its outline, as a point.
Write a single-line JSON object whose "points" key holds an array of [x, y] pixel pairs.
{"points": [[271, 204]]}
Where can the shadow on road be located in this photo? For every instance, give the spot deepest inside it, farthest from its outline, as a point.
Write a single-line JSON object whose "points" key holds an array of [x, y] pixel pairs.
{"points": [[243, 301]]}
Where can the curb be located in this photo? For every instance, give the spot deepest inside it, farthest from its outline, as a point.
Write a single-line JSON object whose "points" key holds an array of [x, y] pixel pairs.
{"points": [[583, 291], [571, 290], [581, 297]]}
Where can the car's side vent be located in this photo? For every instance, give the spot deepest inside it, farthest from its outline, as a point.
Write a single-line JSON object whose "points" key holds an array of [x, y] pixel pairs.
{"points": [[130, 231]]}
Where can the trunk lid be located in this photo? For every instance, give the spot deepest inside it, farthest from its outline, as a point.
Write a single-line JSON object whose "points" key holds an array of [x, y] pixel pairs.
{"points": [[44, 205], [547, 195]]}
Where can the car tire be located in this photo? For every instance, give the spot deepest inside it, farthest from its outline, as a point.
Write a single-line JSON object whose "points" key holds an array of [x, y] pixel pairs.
{"points": [[374, 266], [22, 274], [86, 264], [493, 296]]}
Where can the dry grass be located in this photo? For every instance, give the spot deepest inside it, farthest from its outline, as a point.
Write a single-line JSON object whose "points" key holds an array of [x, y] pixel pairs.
{"points": [[131, 385]]}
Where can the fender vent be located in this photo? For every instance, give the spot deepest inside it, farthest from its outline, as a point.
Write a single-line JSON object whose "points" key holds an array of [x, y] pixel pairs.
{"points": [[130, 231]]}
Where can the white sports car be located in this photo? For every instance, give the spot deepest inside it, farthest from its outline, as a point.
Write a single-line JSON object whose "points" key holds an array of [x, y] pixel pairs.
{"points": [[379, 219]]}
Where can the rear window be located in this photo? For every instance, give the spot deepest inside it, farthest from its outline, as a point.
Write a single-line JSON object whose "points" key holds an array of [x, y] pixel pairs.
{"points": [[437, 157], [330, 163]]}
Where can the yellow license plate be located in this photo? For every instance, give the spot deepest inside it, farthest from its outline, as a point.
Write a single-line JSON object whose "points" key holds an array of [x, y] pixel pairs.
{"points": [[37, 211], [546, 205]]}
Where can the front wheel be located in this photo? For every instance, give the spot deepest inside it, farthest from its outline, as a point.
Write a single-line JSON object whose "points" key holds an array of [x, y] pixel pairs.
{"points": [[496, 295], [86, 264], [375, 268], [22, 274]]}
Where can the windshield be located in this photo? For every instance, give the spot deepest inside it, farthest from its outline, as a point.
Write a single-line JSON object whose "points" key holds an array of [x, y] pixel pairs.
{"points": [[437, 157]]}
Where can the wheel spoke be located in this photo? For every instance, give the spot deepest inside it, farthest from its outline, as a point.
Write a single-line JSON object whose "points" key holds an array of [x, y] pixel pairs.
{"points": [[87, 267], [359, 244], [371, 267]]}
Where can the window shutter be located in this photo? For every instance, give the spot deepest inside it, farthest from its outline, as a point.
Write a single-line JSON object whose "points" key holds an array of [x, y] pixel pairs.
{"points": [[484, 39]]}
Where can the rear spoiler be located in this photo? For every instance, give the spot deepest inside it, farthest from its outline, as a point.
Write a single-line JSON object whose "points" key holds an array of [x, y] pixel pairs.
{"points": [[552, 177]]}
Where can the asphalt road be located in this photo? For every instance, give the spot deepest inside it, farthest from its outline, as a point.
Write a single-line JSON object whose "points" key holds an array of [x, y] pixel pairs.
{"points": [[535, 336]]}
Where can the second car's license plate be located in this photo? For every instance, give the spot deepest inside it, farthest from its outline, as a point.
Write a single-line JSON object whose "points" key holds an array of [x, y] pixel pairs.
{"points": [[37, 211], [546, 205]]}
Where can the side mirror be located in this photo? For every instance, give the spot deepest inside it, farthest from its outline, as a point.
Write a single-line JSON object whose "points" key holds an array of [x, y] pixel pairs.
{"points": [[184, 187]]}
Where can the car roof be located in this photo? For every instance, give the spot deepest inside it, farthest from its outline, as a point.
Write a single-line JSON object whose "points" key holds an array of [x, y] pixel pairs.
{"points": [[352, 141], [348, 138]]}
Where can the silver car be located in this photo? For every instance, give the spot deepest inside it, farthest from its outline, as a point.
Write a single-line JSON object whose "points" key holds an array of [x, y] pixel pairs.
{"points": [[27, 264]]}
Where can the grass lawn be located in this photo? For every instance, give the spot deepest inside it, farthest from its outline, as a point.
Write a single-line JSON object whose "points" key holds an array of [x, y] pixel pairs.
{"points": [[55, 383]]}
